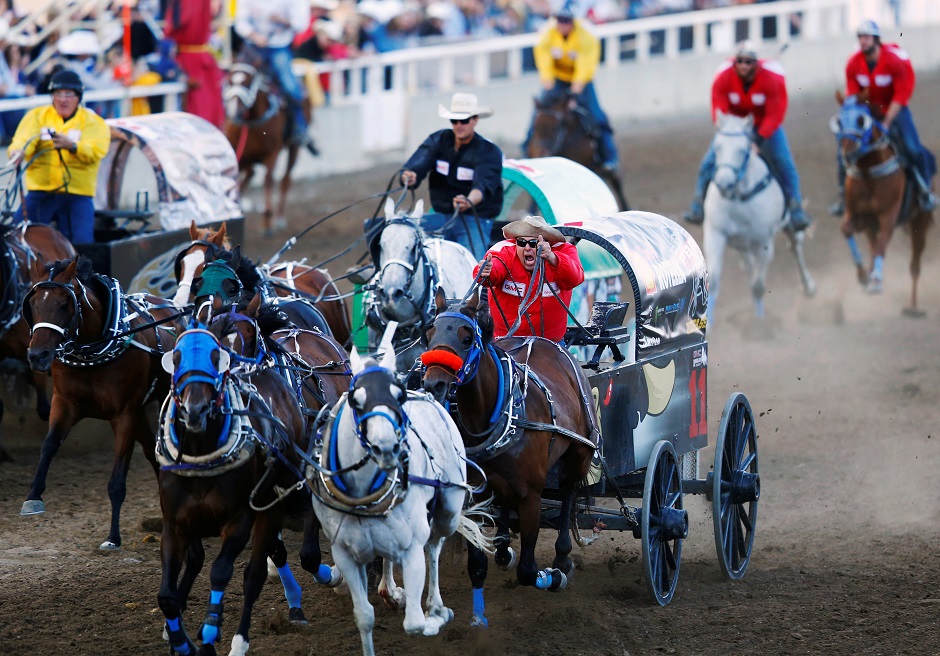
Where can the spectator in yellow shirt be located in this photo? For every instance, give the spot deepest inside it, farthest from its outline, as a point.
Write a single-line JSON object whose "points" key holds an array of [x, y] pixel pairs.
{"points": [[566, 57], [63, 145]]}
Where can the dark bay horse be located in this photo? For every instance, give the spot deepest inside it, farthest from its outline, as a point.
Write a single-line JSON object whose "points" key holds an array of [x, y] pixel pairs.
{"points": [[257, 124], [22, 247], [286, 280], [229, 450], [522, 405], [877, 196], [563, 129], [81, 325]]}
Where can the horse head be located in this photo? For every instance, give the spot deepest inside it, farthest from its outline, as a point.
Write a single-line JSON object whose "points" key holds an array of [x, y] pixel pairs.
{"points": [[858, 131], [53, 310], [732, 147], [218, 286], [552, 123], [376, 397], [205, 246], [400, 280], [198, 366], [460, 334], [245, 90]]}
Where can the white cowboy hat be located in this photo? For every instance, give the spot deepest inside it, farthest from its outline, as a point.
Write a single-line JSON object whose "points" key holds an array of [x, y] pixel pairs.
{"points": [[463, 106], [329, 5], [530, 227], [381, 11], [332, 29], [79, 42]]}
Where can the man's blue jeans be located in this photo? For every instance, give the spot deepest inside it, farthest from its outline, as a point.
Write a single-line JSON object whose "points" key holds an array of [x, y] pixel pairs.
{"points": [[467, 230], [776, 150], [279, 60], [74, 215], [904, 130]]}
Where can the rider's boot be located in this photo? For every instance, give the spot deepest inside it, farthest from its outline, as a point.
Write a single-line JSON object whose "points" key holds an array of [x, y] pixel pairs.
{"points": [[299, 135], [925, 198], [608, 151], [838, 207], [799, 219], [696, 213]]}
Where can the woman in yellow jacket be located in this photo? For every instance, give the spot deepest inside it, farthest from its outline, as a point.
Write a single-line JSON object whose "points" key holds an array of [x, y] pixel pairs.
{"points": [[68, 142], [567, 56]]}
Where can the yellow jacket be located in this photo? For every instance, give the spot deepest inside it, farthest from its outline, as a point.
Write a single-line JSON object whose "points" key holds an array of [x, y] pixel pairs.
{"points": [[573, 59], [89, 132]]}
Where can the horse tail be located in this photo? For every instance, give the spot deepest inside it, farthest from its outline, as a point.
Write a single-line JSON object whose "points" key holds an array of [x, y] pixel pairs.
{"points": [[471, 524]]}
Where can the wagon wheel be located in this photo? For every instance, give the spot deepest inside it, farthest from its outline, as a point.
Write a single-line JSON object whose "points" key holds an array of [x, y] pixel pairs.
{"points": [[735, 486], [664, 523]]}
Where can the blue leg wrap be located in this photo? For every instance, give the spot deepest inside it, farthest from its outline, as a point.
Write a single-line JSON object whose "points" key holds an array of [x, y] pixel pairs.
{"points": [[292, 591], [211, 626], [178, 640], [877, 267], [479, 618], [544, 580], [853, 247], [323, 574]]}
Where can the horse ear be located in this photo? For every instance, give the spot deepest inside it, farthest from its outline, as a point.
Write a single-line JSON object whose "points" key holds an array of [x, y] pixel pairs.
{"points": [[167, 361], [419, 209], [219, 238], [69, 271], [474, 301], [840, 97], [389, 209], [440, 301], [236, 257], [254, 305], [355, 362], [194, 231], [388, 357]]}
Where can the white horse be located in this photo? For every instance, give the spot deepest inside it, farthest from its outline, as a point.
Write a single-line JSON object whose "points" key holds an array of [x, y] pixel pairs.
{"points": [[388, 456], [410, 266], [744, 209]]}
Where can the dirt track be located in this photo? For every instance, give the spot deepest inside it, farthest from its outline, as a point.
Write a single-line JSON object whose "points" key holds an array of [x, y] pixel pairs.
{"points": [[845, 389]]}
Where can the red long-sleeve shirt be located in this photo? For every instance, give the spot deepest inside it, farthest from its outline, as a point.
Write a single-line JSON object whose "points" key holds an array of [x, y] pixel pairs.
{"points": [[765, 99], [509, 279], [891, 79]]}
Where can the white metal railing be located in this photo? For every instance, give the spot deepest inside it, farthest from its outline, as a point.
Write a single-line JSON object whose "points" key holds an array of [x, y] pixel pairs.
{"points": [[170, 91], [441, 68]]}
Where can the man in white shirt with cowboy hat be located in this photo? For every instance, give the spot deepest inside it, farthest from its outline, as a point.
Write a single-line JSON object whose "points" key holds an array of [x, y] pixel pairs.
{"points": [[465, 181]]}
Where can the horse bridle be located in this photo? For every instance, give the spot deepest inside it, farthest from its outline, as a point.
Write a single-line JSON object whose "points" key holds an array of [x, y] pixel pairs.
{"points": [[420, 260], [400, 424], [863, 135], [70, 332], [247, 96]]}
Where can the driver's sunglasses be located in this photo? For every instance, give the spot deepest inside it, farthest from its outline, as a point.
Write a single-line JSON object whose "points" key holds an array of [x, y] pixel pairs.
{"points": [[746, 60], [521, 242], [461, 121]]}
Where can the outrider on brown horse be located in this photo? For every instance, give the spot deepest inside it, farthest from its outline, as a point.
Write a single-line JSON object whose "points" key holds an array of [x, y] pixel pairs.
{"points": [[523, 407], [287, 279], [257, 125], [562, 129], [81, 325], [878, 195], [22, 248]]}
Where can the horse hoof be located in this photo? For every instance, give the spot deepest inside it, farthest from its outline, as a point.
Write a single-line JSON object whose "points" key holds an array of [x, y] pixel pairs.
{"points": [[874, 286], [913, 313], [33, 507], [296, 616], [107, 545], [511, 562], [480, 621]]}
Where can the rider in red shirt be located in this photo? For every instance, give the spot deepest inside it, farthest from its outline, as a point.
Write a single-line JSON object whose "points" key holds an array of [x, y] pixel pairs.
{"points": [[884, 70], [746, 86], [507, 271]]}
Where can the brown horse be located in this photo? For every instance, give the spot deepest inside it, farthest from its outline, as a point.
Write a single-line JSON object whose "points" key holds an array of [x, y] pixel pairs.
{"points": [[81, 325], [877, 196], [291, 279], [230, 459], [522, 405], [23, 246], [257, 124], [563, 129]]}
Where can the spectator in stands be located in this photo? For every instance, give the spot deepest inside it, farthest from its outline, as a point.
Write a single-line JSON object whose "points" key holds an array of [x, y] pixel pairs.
{"points": [[270, 26], [80, 52], [743, 86], [64, 144], [465, 182], [305, 44], [12, 83], [567, 56], [189, 24]]}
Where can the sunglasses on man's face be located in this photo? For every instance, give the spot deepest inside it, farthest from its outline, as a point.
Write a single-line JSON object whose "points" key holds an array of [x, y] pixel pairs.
{"points": [[461, 121], [522, 242], [746, 60]]}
